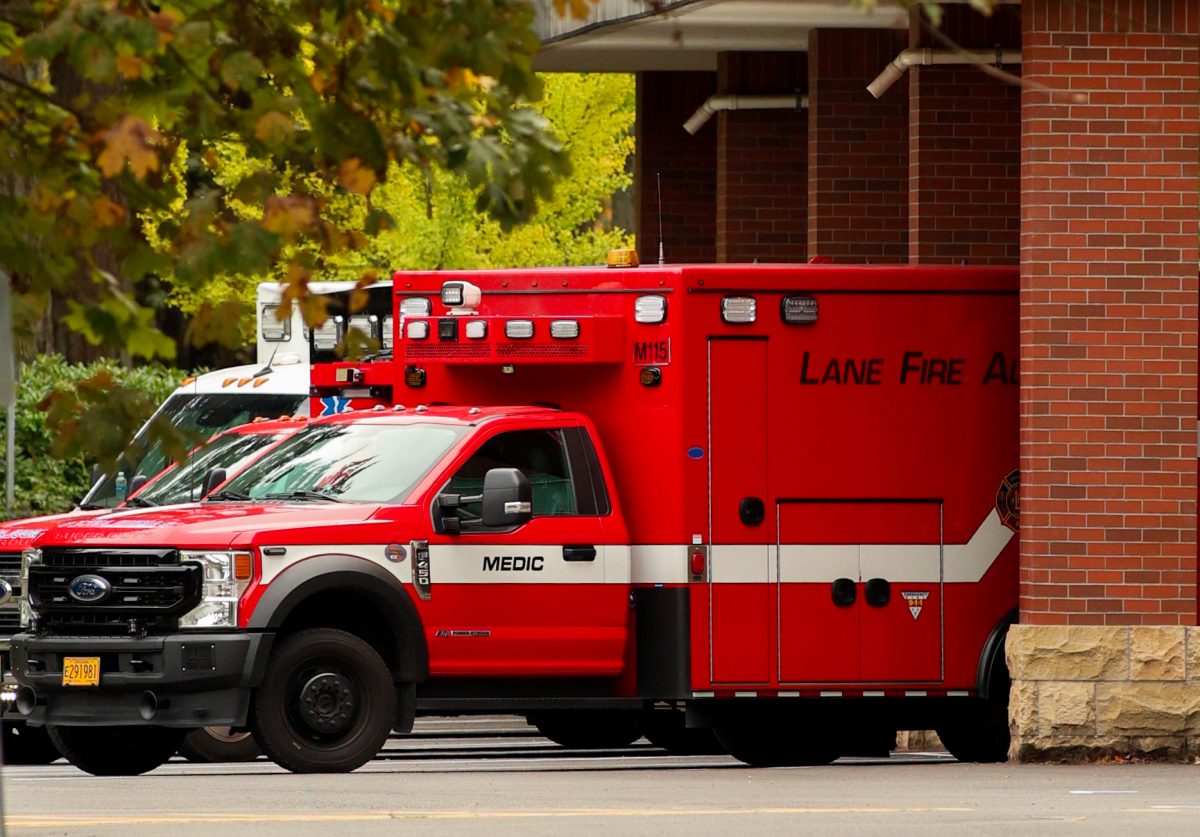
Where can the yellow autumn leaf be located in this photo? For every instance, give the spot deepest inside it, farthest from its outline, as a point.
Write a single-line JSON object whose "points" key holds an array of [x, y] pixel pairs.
{"points": [[129, 66], [273, 128], [288, 215], [130, 140], [356, 177], [578, 9], [106, 213], [461, 77]]}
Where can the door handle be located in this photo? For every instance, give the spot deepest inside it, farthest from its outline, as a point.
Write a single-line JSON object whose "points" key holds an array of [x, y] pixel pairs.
{"points": [[579, 552], [878, 592], [844, 592]]}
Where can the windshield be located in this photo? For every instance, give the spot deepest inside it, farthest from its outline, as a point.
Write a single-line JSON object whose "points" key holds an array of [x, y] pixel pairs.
{"points": [[199, 414], [185, 483], [356, 463]]}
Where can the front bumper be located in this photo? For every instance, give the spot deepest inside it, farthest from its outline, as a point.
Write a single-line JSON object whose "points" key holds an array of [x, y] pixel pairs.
{"points": [[177, 680]]}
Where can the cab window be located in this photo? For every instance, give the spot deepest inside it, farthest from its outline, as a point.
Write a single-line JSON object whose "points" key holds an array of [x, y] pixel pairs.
{"points": [[541, 455]]}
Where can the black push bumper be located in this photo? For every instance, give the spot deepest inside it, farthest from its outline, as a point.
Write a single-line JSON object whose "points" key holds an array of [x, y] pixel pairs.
{"points": [[178, 680]]}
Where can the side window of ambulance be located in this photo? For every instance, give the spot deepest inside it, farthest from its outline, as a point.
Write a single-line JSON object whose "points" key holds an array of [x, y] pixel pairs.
{"points": [[541, 455]]}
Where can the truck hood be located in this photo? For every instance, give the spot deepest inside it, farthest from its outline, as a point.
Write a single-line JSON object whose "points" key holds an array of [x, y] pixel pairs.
{"points": [[16, 535], [212, 525]]}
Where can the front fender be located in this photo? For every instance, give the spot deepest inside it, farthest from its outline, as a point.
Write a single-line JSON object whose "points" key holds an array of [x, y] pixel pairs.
{"points": [[356, 577]]}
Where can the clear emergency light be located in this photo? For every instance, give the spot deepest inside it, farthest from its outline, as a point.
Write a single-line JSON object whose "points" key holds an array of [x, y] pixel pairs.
{"points": [[274, 330], [416, 330], [518, 329], [366, 325], [564, 329], [415, 306], [799, 309], [650, 309], [739, 309], [385, 336], [328, 334]]}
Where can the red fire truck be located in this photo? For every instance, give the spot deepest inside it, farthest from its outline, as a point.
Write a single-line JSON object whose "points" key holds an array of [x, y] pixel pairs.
{"points": [[775, 502]]}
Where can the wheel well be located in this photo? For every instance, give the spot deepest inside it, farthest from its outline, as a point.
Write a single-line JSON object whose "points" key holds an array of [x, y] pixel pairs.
{"points": [[355, 614], [992, 675]]}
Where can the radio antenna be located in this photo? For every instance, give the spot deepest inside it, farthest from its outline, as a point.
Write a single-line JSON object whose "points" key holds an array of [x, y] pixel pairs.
{"points": [[661, 259]]}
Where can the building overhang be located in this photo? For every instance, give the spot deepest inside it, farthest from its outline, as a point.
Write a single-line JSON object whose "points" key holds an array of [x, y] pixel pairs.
{"points": [[635, 35]]}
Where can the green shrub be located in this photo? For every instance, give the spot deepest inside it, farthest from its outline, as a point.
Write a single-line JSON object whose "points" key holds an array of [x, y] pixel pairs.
{"points": [[49, 480]]}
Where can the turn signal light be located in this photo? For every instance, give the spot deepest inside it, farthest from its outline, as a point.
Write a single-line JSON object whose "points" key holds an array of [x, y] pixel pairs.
{"points": [[243, 566]]}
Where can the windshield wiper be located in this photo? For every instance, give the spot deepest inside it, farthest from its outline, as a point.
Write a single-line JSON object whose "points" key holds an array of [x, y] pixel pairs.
{"points": [[301, 495], [221, 496], [140, 502]]}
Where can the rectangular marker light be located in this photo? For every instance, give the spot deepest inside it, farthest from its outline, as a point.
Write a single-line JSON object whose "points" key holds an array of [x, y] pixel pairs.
{"points": [[417, 329], [415, 306], [739, 309], [476, 329], [518, 329], [799, 309], [273, 329], [564, 329], [650, 309]]}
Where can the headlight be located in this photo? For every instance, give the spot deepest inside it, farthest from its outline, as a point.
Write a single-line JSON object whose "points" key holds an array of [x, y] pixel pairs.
{"points": [[29, 557], [225, 576]]}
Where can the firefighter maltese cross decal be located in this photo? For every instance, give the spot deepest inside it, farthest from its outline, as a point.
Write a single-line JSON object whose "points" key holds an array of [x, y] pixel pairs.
{"points": [[915, 601]]}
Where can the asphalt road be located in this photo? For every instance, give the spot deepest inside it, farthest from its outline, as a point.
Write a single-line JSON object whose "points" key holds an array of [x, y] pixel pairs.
{"points": [[496, 776]]}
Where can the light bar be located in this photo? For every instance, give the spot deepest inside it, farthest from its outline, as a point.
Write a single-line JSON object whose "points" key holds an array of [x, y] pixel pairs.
{"points": [[799, 309], [415, 306], [385, 335], [328, 334], [476, 329], [518, 329], [650, 309], [417, 330], [274, 330], [739, 309], [564, 329]]}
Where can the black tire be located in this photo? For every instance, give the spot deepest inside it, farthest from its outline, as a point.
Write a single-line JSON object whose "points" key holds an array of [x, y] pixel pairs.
{"points": [[761, 744], [980, 736], [116, 751], [667, 728], [326, 705], [213, 745], [581, 729], [24, 744]]}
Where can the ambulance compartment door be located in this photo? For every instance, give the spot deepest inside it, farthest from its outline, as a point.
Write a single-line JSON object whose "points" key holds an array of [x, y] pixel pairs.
{"points": [[740, 584]]}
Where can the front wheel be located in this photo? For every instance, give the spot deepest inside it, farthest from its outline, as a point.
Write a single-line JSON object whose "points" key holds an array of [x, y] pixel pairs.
{"points": [[24, 744], [116, 751], [219, 744], [326, 704]]}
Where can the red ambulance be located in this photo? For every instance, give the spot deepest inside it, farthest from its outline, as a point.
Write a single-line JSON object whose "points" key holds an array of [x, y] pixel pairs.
{"points": [[777, 502]]}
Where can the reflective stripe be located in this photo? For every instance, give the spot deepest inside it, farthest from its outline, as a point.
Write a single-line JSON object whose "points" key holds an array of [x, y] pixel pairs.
{"points": [[658, 564]]}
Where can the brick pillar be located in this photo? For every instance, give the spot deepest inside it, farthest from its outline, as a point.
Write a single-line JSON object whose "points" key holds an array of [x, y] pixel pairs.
{"points": [[687, 164], [965, 147], [857, 148], [762, 161], [1109, 225]]}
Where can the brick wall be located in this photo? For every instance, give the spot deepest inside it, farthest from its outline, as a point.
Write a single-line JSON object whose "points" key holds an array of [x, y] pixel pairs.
{"points": [[1109, 311], [687, 164], [762, 161], [965, 140], [857, 148]]}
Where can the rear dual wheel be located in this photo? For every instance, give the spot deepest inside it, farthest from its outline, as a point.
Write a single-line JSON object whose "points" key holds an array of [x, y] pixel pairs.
{"points": [[326, 705], [581, 729], [764, 743], [212, 745]]}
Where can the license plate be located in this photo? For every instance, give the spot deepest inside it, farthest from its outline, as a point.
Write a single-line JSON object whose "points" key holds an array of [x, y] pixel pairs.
{"points": [[81, 671]]}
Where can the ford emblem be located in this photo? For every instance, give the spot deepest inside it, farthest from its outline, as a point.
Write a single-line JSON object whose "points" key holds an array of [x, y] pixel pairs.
{"points": [[89, 589]]}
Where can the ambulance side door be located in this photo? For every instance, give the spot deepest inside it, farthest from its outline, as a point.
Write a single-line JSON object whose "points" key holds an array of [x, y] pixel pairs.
{"points": [[547, 597]]}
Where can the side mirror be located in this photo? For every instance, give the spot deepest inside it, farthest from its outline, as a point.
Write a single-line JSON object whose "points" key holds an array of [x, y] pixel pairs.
{"points": [[136, 485], [507, 498], [212, 479]]}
